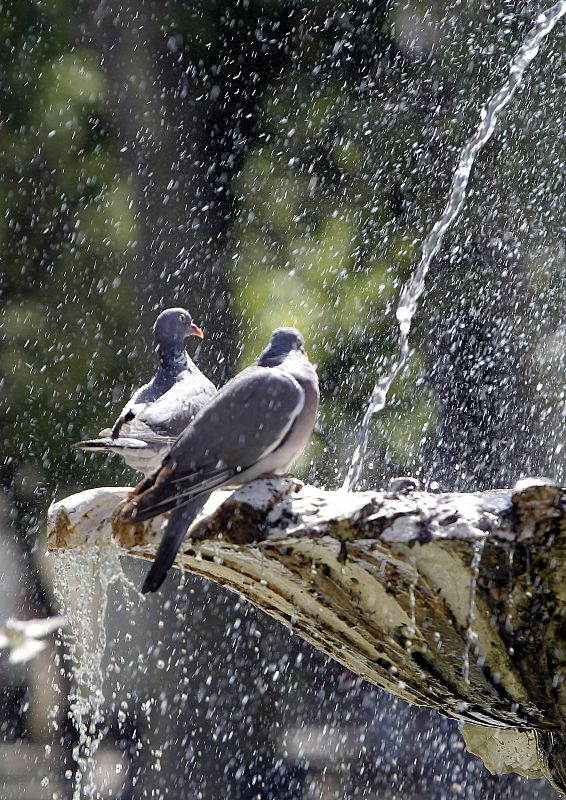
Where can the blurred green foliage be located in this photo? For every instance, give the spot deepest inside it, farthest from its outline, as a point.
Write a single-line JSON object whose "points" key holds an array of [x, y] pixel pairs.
{"points": [[68, 234]]}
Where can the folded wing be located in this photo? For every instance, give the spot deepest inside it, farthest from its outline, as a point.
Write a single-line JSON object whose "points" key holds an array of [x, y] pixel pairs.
{"points": [[150, 429], [241, 426], [172, 412]]}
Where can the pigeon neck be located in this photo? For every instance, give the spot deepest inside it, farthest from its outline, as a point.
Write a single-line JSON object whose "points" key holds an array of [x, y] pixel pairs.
{"points": [[173, 358], [273, 358], [267, 361]]}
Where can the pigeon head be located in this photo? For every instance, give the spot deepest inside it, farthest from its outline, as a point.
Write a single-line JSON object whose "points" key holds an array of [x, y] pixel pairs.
{"points": [[172, 326], [283, 342]]}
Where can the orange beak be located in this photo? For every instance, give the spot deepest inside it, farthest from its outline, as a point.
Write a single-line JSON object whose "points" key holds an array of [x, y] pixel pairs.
{"points": [[197, 331]]}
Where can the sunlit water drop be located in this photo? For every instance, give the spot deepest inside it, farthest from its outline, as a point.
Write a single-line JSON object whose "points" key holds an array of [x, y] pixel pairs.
{"points": [[415, 286]]}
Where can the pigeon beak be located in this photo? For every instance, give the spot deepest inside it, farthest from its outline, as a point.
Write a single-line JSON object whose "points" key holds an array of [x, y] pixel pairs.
{"points": [[197, 331]]}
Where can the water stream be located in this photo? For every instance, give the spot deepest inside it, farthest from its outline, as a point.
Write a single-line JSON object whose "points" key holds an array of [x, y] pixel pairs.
{"points": [[415, 286], [83, 577], [471, 636]]}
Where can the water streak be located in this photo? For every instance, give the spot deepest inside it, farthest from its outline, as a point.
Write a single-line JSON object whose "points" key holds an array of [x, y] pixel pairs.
{"points": [[415, 286], [471, 636], [412, 606], [509, 614], [83, 577]]}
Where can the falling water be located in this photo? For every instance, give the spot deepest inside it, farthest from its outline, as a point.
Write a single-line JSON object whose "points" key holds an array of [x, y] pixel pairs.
{"points": [[412, 608], [415, 286], [471, 636], [83, 577], [509, 614]]}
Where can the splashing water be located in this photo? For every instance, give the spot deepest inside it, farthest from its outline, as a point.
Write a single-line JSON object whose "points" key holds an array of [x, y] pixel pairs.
{"points": [[415, 286], [83, 577]]}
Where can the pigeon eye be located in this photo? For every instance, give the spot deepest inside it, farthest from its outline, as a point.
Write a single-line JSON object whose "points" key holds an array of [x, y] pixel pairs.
{"points": [[182, 318]]}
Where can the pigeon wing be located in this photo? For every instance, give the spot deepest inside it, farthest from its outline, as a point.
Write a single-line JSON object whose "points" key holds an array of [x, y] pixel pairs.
{"points": [[243, 424], [170, 414], [137, 402]]}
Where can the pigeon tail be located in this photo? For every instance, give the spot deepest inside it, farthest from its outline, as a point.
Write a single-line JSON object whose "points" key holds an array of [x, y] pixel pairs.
{"points": [[175, 531], [107, 443]]}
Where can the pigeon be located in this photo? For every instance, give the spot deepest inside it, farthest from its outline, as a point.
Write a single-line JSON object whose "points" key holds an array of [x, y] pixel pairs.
{"points": [[257, 424], [161, 410], [24, 638]]}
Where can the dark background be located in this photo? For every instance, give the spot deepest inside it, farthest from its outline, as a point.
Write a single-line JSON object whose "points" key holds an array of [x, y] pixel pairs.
{"points": [[266, 163]]}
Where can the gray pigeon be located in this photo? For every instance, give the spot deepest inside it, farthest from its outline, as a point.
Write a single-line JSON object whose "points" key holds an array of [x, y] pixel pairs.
{"points": [[257, 424], [161, 410]]}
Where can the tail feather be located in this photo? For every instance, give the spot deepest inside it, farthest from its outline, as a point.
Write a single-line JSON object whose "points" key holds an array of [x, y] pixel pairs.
{"points": [[175, 531], [107, 443]]}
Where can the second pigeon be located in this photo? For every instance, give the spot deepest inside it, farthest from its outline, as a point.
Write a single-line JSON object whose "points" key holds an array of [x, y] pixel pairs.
{"points": [[160, 410]]}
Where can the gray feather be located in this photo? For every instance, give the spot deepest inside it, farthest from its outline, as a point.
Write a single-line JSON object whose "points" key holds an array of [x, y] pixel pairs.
{"points": [[257, 424]]}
